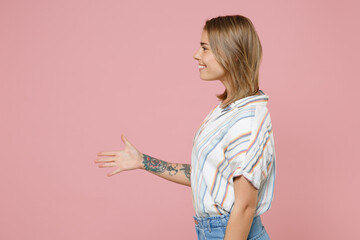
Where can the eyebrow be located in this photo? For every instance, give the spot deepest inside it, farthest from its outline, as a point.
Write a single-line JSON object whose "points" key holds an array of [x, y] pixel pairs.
{"points": [[202, 43]]}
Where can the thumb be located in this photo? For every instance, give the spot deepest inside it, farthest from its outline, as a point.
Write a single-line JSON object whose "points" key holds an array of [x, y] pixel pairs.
{"points": [[124, 139]]}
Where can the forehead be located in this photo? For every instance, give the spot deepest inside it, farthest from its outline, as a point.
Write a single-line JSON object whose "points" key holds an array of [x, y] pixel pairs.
{"points": [[204, 37]]}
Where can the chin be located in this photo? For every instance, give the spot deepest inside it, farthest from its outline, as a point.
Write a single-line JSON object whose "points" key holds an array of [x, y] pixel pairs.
{"points": [[208, 79]]}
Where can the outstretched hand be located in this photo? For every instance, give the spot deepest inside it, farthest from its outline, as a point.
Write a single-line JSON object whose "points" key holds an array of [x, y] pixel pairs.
{"points": [[128, 159]]}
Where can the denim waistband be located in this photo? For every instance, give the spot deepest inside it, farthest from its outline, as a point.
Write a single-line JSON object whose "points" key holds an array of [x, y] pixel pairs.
{"points": [[213, 221], [221, 221]]}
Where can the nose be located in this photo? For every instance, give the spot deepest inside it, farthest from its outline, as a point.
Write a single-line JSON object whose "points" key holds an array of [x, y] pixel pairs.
{"points": [[197, 55]]}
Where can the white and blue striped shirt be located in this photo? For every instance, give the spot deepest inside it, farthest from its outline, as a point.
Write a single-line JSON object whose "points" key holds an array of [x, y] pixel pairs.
{"points": [[234, 141]]}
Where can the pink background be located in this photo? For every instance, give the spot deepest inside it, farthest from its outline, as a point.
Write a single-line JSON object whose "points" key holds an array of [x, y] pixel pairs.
{"points": [[75, 75]]}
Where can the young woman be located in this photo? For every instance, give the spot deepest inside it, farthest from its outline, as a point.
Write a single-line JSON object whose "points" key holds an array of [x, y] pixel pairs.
{"points": [[232, 169]]}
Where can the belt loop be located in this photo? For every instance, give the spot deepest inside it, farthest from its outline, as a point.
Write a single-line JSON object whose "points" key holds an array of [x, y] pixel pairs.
{"points": [[209, 225]]}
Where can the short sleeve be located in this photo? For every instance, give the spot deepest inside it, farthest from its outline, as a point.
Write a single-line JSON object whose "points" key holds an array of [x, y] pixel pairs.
{"points": [[253, 164]]}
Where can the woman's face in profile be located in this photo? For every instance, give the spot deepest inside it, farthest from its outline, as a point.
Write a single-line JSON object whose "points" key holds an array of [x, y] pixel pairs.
{"points": [[209, 68]]}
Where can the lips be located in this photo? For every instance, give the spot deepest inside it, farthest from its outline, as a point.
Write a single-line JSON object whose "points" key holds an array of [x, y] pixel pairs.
{"points": [[201, 67]]}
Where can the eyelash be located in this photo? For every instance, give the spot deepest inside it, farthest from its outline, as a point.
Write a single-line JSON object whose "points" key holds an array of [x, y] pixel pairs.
{"points": [[204, 48]]}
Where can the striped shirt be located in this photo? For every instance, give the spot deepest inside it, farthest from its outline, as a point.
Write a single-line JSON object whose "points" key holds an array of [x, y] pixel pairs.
{"points": [[237, 140]]}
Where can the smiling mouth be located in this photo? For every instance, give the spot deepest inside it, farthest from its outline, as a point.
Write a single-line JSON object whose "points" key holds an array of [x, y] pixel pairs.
{"points": [[201, 67]]}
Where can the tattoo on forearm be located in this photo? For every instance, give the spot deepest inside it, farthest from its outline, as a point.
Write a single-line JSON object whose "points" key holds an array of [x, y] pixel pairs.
{"points": [[187, 170], [158, 166], [154, 165], [172, 170]]}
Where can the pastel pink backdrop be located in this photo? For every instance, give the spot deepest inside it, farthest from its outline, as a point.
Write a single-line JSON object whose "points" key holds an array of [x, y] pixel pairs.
{"points": [[75, 75]]}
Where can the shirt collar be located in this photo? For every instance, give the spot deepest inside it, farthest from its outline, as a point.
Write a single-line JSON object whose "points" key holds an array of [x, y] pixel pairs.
{"points": [[261, 99]]}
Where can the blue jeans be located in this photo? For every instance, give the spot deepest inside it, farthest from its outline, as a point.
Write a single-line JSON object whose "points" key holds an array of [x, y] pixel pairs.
{"points": [[214, 228]]}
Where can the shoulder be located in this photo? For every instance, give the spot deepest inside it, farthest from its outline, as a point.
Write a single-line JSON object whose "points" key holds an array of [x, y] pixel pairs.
{"points": [[248, 121], [262, 117], [241, 129]]}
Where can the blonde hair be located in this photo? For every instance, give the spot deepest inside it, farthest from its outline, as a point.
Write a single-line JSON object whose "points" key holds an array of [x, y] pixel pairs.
{"points": [[236, 46]]}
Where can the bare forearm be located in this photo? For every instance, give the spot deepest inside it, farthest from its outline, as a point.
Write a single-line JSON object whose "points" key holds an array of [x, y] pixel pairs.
{"points": [[175, 172], [239, 224]]}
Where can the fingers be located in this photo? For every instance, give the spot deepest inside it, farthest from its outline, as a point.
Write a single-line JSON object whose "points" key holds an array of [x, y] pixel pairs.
{"points": [[110, 164], [100, 160], [114, 172], [107, 153]]}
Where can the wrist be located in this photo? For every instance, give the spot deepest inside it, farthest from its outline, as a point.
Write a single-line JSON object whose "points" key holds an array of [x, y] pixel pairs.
{"points": [[142, 166]]}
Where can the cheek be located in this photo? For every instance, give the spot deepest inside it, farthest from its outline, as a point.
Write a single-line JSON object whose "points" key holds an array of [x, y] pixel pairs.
{"points": [[208, 59], [215, 66], [205, 60], [212, 65]]}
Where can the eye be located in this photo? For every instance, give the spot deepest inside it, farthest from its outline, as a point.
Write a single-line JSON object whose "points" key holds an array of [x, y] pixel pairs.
{"points": [[204, 48]]}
